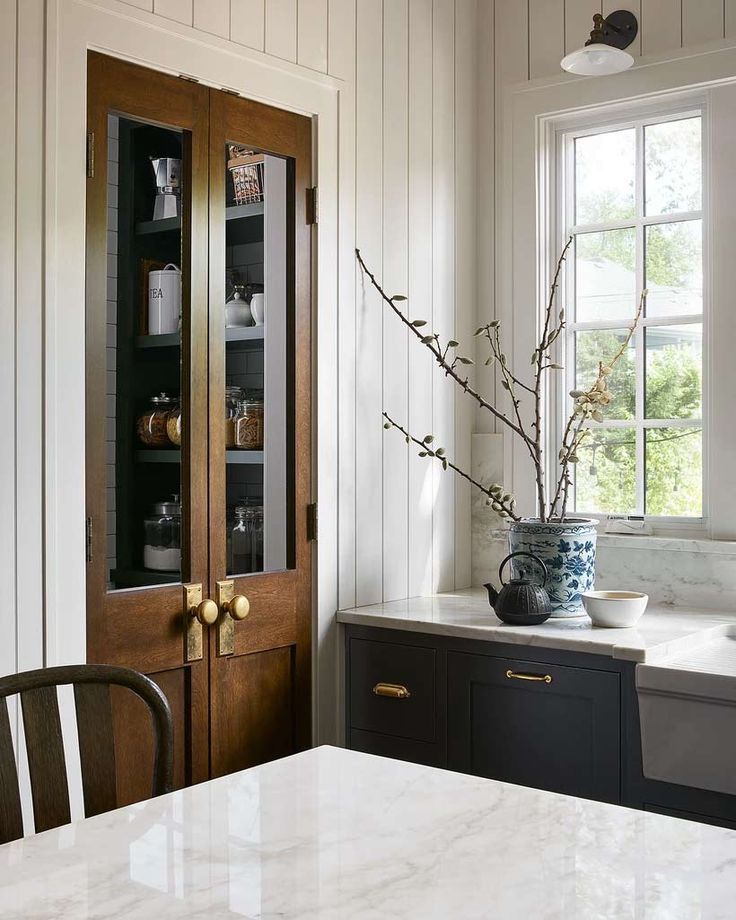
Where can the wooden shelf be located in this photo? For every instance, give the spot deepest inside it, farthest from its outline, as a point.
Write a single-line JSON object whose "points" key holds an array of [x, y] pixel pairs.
{"points": [[240, 211], [158, 456], [245, 333], [168, 340], [165, 225], [142, 578], [244, 456], [174, 456]]}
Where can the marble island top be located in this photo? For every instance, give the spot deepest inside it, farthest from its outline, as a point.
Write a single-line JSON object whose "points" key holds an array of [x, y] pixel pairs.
{"points": [[338, 835], [663, 631]]}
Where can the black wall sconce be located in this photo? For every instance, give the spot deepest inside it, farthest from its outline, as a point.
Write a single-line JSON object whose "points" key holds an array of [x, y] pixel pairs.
{"points": [[604, 52]]}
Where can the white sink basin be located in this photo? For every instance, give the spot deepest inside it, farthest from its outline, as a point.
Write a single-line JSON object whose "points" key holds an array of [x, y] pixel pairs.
{"points": [[687, 707]]}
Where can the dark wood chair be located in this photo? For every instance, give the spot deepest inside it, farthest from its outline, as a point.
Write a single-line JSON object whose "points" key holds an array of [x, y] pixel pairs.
{"points": [[45, 746]]}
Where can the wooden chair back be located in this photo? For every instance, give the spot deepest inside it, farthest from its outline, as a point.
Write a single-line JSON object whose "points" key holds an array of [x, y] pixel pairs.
{"points": [[45, 746]]}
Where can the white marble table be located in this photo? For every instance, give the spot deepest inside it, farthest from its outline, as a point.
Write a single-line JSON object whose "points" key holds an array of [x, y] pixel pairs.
{"points": [[337, 834], [662, 631]]}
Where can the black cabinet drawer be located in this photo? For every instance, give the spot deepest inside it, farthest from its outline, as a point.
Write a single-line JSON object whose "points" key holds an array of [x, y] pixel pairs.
{"points": [[372, 664], [535, 724], [397, 748]]}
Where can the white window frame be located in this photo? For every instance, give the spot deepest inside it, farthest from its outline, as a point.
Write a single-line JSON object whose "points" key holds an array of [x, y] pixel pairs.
{"points": [[566, 133]]}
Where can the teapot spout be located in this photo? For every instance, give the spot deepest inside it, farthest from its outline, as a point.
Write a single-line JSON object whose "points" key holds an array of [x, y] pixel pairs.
{"points": [[492, 594]]}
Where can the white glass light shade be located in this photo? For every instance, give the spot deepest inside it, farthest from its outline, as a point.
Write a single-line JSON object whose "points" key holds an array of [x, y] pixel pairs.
{"points": [[597, 60]]}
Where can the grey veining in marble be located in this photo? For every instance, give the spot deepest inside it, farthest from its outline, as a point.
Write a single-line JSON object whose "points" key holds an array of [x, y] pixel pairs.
{"points": [[661, 632], [338, 835]]}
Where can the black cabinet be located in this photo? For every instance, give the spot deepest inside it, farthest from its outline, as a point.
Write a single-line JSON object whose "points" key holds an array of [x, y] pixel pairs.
{"points": [[536, 724], [550, 718]]}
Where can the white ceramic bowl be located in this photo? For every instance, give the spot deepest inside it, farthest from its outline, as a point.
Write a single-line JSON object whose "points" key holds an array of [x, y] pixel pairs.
{"points": [[615, 608]]}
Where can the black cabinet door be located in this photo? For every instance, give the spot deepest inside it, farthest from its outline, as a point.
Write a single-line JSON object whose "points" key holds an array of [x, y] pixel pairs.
{"points": [[535, 724]]}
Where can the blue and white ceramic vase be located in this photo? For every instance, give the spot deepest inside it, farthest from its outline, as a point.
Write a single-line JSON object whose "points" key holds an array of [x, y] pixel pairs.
{"points": [[568, 551]]}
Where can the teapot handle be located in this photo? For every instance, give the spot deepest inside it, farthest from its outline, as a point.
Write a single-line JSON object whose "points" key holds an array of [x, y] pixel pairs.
{"points": [[522, 553]]}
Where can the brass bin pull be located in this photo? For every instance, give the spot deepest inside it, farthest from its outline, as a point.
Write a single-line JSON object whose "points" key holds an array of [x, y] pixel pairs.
{"points": [[543, 678], [395, 691]]}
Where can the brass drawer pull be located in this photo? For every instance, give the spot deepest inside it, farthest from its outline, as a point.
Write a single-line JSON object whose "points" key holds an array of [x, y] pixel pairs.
{"points": [[395, 691], [546, 678]]}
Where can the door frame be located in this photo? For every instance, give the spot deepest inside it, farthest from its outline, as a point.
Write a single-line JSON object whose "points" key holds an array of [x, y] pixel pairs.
{"points": [[72, 28]]}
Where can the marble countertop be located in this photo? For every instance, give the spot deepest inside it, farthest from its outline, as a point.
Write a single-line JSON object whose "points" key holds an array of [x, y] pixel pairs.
{"points": [[662, 632], [338, 835]]}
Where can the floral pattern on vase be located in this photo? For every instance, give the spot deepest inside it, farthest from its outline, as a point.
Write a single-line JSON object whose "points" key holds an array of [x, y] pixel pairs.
{"points": [[568, 551]]}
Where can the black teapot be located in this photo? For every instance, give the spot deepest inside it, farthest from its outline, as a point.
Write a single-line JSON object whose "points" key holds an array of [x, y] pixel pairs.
{"points": [[520, 602]]}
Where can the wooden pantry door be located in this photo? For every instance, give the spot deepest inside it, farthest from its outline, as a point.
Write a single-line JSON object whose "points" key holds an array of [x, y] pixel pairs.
{"points": [[260, 470], [135, 602]]}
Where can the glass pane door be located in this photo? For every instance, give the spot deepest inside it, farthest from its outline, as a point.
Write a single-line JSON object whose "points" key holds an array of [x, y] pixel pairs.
{"points": [[258, 397], [145, 197]]}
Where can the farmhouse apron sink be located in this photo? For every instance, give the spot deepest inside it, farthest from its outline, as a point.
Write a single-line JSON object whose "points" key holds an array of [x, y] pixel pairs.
{"points": [[687, 706]]}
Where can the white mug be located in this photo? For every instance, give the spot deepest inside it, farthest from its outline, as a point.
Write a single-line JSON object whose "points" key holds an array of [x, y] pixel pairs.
{"points": [[257, 308], [164, 300]]}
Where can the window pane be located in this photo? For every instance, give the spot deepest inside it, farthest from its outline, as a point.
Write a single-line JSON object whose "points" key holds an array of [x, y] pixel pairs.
{"points": [[605, 278], [605, 474], [674, 268], [674, 477], [602, 345], [604, 177], [674, 364], [673, 168]]}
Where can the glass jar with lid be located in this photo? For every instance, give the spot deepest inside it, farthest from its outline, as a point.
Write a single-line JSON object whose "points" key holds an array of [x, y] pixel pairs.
{"points": [[233, 396], [151, 426], [162, 536], [240, 548], [248, 424]]}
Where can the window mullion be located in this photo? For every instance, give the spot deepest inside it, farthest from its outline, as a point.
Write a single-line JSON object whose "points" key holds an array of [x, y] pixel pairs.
{"points": [[639, 343]]}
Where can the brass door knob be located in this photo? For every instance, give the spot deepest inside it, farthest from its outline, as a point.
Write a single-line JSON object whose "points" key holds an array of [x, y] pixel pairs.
{"points": [[206, 612], [238, 606]]}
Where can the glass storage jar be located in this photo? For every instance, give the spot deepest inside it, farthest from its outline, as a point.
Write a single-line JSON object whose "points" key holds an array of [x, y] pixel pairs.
{"points": [[151, 425], [162, 537], [233, 396], [173, 426], [248, 425], [240, 548]]}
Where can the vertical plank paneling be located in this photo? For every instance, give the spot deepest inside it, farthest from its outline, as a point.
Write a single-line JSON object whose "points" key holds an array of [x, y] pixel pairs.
{"points": [[421, 476], [511, 31], [485, 178], [369, 309], [466, 117], [395, 269], [8, 549], [443, 281], [579, 21], [312, 34], [661, 26], [342, 64], [281, 27], [729, 7], [212, 16], [247, 23], [633, 6], [702, 21], [180, 10], [29, 405], [341, 39], [546, 37]]}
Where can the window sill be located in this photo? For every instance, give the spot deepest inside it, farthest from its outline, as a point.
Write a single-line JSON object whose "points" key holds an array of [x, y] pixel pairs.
{"points": [[662, 544]]}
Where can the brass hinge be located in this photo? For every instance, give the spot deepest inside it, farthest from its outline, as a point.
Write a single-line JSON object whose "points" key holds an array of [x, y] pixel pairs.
{"points": [[189, 78], [88, 539], [312, 522], [229, 91], [90, 154], [312, 205]]}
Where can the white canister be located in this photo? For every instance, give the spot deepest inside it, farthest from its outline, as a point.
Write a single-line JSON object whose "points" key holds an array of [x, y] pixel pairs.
{"points": [[257, 308], [164, 300]]}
